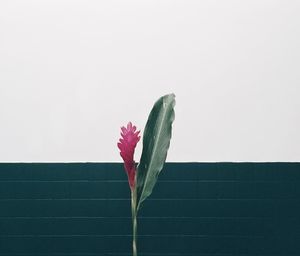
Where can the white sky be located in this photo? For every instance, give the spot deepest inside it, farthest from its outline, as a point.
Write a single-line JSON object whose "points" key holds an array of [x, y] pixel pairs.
{"points": [[72, 72]]}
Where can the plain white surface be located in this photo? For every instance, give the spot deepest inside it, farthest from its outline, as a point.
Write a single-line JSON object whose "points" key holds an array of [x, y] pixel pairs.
{"points": [[72, 72]]}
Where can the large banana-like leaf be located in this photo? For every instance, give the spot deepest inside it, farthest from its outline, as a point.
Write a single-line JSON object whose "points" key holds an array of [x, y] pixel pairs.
{"points": [[156, 141]]}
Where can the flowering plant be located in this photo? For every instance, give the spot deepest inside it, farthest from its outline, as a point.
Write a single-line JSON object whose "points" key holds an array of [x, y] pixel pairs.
{"points": [[156, 141]]}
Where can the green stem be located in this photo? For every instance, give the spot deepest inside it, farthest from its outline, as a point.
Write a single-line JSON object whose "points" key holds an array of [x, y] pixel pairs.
{"points": [[134, 222]]}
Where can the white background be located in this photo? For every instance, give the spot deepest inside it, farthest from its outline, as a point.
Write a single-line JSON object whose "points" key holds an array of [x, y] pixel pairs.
{"points": [[72, 72]]}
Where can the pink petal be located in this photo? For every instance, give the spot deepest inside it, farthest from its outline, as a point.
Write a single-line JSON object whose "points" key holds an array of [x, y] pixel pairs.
{"points": [[123, 129], [129, 126]]}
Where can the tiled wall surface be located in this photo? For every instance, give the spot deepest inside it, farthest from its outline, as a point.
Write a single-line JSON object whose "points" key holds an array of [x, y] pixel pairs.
{"points": [[196, 209]]}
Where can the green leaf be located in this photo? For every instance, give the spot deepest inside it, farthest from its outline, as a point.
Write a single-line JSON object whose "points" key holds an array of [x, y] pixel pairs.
{"points": [[156, 142]]}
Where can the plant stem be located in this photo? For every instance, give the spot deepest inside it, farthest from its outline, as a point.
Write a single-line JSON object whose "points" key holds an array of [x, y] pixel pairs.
{"points": [[134, 222]]}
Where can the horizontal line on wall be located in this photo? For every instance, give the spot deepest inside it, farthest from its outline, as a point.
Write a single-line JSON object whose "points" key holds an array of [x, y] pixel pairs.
{"points": [[141, 254], [151, 199], [63, 181], [149, 217], [128, 254], [115, 254], [129, 235], [162, 181]]}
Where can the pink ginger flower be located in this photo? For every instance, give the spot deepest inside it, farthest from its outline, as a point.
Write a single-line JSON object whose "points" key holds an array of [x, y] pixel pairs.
{"points": [[127, 146]]}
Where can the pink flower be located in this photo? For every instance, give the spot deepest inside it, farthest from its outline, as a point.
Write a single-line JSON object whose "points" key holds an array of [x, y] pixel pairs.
{"points": [[127, 146]]}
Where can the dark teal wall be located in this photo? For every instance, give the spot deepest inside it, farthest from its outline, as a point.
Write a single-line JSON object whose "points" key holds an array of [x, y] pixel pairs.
{"points": [[207, 209]]}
